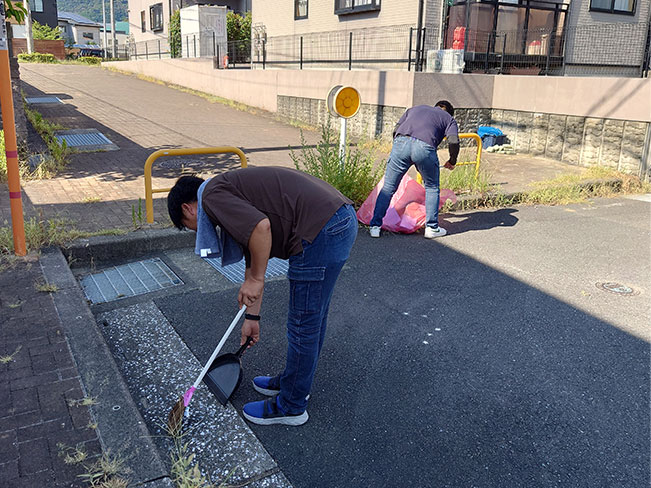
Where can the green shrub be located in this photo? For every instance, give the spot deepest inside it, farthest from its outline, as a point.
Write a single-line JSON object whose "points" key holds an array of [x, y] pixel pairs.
{"points": [[175, 35], [36, 58], [93, 60], [41, 31], [355, 179]]}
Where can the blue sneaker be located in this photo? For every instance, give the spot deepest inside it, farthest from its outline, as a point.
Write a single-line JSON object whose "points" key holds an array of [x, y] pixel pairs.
{"points": [[268, 412], [267, 385]]}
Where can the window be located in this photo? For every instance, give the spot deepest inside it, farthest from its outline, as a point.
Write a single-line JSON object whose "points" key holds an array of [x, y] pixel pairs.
{"points": [[143, 23], [36, 5], [156, 17], [300, 9], [626, 7], [88, 35], [354, 6]]}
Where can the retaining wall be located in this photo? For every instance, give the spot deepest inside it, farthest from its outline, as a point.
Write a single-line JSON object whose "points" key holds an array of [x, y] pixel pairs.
{"points": [[583, 121]]}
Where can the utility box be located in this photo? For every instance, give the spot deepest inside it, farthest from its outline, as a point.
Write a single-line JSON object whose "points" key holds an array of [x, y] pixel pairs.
{"points": [[203, 32]]}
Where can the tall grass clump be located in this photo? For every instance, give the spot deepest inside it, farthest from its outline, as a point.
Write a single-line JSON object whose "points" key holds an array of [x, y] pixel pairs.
{"points": [[355, 179]]}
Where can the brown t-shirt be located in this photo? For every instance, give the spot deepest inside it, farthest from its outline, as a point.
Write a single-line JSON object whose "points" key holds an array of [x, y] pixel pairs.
{"points": [[297, 205]]}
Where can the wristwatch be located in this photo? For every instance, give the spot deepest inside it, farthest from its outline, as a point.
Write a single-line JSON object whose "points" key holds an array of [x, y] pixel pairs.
{"points": [[250, 316]]}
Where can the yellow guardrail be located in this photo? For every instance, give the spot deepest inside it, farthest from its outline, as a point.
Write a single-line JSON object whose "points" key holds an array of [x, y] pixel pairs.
{"points": [[149, 191], [476, 162]]}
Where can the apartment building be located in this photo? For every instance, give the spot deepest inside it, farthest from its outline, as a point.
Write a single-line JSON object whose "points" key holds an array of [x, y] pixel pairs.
{"points": [[572, 37]]}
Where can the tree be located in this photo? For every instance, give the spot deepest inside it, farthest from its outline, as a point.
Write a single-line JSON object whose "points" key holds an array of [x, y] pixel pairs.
{"points": [[41, 31], [15, 10]]}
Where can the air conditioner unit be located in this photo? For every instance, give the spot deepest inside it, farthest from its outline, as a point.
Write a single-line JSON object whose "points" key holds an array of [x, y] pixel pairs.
{"points": [[445, 61]]}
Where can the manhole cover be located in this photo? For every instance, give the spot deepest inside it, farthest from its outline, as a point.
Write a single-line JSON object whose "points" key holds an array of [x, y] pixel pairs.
{"points": [[128, 280], [85, 140], [235, 272], [35, 100], [617, 288]]}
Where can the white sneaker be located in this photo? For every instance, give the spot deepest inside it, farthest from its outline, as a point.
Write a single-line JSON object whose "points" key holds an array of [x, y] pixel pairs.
{"points": [[432, 233], [374, 231]]}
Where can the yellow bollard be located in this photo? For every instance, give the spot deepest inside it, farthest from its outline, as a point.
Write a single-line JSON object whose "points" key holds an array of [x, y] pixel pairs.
{"points": [[149, 191], [476, 162]]}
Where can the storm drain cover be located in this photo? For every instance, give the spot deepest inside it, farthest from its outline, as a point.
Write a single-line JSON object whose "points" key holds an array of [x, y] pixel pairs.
{"points": [[85, 140], [129, 280], [617, 288], [235, 272], [34, 100]]}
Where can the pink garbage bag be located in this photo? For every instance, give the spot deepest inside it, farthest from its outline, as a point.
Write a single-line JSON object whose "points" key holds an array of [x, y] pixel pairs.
{"points": [[406, 212]]}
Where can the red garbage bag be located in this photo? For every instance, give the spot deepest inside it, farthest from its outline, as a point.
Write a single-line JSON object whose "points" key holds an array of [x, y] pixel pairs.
{"points": [[406, 212]]}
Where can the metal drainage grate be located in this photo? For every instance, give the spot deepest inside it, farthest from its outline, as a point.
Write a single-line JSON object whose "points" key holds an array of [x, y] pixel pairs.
{"points": [[129, 280], [617, 288], [235, 272], [85, 139], [35, 100]]}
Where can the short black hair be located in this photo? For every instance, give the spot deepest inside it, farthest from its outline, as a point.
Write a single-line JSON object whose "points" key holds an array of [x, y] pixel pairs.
{"points": [[184, 191], [444, 104]]}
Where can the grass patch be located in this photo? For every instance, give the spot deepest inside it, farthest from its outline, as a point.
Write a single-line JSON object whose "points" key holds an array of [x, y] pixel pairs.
{"points": [[10, 357], [41, 233], [462, 180], [355, 179], [37, 58]]}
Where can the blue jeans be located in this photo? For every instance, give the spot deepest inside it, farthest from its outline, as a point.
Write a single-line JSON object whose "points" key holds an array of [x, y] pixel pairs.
{"points": [[312, 277], [405, 152]]}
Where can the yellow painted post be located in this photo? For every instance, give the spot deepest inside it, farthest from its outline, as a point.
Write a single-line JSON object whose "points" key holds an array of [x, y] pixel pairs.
{"points": [[11, 148], [476, 162], [149, 190]]}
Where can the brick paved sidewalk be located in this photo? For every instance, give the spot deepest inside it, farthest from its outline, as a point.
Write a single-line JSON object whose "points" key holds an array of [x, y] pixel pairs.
{"points": [[40, 388]]}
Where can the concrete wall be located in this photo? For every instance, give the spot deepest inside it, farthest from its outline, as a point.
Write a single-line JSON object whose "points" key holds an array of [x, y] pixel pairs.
{"points": [[608, 98]]}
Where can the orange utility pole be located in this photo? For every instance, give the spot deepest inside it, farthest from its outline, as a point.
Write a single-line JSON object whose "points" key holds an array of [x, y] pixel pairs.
{"points": [[11, 148]]}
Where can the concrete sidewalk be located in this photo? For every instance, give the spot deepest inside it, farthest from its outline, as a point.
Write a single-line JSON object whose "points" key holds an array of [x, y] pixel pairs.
{"points": [[101, 190]]}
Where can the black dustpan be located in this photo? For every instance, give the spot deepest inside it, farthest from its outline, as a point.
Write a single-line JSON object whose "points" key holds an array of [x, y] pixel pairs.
{"points": [[225, 374]]}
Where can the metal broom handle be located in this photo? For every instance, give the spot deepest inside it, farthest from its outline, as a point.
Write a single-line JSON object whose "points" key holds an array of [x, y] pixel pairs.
{"points": [[220, 345]]}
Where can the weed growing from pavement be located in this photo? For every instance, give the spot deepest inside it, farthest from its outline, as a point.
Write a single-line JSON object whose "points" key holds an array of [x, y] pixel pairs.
{"points": [[10, 357], [91, 200], [15, 304], [355, 178], [72, 455], [108, 471], [185, 470], [83, 402], [136, 215], [41, 233], [59, 152], [46, 287]]}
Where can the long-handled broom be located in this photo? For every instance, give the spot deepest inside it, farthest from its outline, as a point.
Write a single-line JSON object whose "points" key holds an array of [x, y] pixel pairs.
{"points": [[175, 417]]}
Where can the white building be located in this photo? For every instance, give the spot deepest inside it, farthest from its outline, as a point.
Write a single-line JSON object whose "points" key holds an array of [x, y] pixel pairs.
{"points": [[79, 30]]}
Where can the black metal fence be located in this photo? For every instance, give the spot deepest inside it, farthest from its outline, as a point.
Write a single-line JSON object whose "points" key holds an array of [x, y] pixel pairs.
{"points": [[152, 49], [620, 49]]}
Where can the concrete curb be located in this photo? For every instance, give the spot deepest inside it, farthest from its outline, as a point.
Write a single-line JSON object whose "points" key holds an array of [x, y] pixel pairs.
{"points": [[121, 428], [470, 202], [83, 252]]}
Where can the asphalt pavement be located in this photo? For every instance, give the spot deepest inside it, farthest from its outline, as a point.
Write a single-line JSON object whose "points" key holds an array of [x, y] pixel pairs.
{"points": [[489, 358]]}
